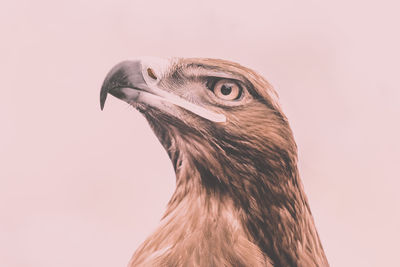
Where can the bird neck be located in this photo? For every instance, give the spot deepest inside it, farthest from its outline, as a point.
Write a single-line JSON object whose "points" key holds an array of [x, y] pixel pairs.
{"points": [[205, 225], [268, 206], [199, 228]]}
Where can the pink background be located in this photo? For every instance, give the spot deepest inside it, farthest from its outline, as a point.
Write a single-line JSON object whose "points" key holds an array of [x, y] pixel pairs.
{"points": [[81, 187]]}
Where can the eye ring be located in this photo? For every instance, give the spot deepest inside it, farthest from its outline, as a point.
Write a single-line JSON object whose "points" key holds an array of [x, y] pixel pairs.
{"points": [[227, 90]]}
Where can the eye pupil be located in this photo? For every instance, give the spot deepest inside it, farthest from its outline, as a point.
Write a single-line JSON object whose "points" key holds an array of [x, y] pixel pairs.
{"points": [[226, 90]]}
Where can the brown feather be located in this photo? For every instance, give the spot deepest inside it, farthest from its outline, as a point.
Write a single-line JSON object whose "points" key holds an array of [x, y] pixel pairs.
{"points": [[239, 200]]}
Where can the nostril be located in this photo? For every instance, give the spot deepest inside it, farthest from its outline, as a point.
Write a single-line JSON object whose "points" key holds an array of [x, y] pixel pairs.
{"points": [[151, 73]]}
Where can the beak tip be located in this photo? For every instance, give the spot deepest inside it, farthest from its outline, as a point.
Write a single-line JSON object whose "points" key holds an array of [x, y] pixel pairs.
{"points": [[103, 97]]}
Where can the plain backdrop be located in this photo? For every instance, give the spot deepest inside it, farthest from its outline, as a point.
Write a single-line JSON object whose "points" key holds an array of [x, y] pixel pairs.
{"points": [[81, 187]]}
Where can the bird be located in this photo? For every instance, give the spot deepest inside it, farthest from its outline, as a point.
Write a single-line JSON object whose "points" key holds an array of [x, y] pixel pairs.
{"points": [[239, 199]]}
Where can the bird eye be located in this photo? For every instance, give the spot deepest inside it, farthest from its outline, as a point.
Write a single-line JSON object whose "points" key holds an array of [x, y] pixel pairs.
{"points": [[227, 90]]}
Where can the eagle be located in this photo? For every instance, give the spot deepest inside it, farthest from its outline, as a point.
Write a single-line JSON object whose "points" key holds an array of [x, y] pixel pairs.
{"points": [[239, 200]]}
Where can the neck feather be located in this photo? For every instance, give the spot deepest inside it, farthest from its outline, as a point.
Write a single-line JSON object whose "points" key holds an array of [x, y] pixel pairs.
{"points": [[266, 202], [251, 206]]}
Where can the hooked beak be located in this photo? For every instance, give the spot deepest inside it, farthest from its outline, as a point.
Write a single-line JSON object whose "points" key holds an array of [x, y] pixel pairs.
{"points": [[136, 82]]}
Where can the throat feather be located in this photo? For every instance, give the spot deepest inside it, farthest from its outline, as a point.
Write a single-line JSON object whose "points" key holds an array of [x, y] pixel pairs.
{"points": [[268, 203], [255, 197]]}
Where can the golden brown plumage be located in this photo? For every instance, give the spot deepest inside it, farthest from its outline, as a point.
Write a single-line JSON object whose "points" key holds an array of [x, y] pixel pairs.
{"points": [[238, 199]]}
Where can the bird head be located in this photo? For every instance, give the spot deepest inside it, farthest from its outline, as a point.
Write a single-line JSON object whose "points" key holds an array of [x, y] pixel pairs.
{"points": [[220, 116]]}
